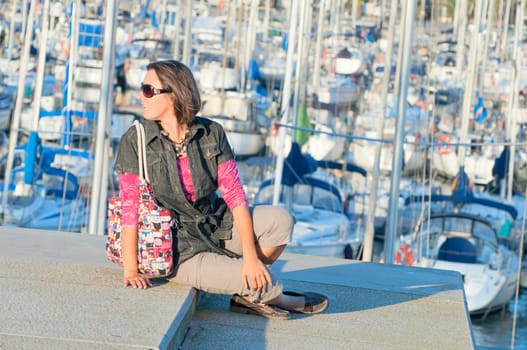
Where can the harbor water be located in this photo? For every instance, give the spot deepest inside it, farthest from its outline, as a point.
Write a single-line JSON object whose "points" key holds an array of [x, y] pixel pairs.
{"points": [[495, 331]]}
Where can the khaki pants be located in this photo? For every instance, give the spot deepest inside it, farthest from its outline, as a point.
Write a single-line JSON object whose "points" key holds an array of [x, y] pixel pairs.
{"points": [[215, 273]]}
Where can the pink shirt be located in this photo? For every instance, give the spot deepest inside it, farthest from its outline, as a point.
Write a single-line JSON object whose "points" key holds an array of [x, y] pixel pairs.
{"points": [[229, 185]]}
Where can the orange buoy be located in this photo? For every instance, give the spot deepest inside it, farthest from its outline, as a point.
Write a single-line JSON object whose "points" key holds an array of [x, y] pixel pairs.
{"points": [[444, 147], [404, 254]]}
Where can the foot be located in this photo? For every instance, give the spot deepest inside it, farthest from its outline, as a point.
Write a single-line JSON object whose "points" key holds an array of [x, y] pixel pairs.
{"points": [[241, 305], [314, 302]]}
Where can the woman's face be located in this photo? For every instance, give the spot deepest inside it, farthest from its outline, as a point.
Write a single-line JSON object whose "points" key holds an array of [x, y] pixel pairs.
{"points": [[159, 107]]}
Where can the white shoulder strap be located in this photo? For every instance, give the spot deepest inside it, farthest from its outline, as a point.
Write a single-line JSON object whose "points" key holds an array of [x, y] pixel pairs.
{"points": [[141, 151]]}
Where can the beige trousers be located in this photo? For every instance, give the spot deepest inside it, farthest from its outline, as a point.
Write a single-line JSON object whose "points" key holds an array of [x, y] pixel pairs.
{"points": [[215, 273]]}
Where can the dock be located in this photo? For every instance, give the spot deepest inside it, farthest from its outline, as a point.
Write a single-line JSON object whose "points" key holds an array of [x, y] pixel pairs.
{"points": [[58, 291]]}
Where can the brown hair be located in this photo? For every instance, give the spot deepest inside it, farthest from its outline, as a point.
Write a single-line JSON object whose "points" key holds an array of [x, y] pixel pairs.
{"points": [[178, 78]]}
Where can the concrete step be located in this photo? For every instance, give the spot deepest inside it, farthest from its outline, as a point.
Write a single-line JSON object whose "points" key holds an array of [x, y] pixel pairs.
{"points": [[58, 291]]}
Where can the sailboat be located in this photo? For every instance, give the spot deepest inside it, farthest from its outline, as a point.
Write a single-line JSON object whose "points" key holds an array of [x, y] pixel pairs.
{"points": [[236, 112], [321, 206], [334, 91], [235, 109], [466, 233], [414, 154]]}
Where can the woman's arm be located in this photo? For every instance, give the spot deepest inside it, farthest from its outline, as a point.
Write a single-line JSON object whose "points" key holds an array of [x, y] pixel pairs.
{"points": [[131, 277], [254, 272], [129, 190]]}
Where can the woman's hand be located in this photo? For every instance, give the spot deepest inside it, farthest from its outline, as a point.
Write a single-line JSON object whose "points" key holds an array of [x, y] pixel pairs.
{"points": [[255, 274], [132, 277], [136, 280]]}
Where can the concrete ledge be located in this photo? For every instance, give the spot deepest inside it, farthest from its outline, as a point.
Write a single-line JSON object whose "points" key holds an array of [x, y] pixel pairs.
{"points": [[58, 291]]}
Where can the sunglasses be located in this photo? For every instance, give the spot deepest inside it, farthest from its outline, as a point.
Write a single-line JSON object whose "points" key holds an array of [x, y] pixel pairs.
{"points": [[149, 91]]}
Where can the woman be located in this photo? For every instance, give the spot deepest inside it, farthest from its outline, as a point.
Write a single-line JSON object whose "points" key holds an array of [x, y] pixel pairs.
{"points": [[220, 246]]}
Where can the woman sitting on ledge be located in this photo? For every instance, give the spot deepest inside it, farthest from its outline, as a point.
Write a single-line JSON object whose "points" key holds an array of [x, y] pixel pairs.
{"points": [[220, 245]]}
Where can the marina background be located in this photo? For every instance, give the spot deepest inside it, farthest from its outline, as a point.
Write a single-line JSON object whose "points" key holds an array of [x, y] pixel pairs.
{"points": [[64, 115]]}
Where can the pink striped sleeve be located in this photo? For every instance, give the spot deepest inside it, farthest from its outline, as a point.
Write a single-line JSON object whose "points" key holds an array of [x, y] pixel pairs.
{"points": [[129, 192], [230, 185]]}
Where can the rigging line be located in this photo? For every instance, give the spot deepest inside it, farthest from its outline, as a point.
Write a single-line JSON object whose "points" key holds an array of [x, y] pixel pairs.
{"points": [[419, 143], [514, 319]]}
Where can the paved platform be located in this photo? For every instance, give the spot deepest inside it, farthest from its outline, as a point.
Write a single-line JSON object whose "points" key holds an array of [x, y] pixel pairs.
{"points": [[57, 291], [372, 306]]}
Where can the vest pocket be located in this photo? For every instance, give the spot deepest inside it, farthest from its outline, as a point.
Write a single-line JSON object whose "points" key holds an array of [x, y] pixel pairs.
{"points": [[210, 150]]}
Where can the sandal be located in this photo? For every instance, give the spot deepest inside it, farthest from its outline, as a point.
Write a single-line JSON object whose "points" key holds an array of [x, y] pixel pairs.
{"points": [[314, 302], [243, 306]]}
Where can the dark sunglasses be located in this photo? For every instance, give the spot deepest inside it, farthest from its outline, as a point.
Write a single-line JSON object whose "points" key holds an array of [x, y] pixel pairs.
{"points": [[149, 91]]}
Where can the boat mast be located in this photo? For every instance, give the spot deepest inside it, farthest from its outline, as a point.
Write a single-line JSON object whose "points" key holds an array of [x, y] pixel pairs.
{"points": [[11, 39], [32, 142], [267, 15], [299, 95], [226, 32], [72, 57], [489, 24], [250, 42], [163, 19], [322, 5], [402, 91], [513, 110], [40, 68], [505, 28], [470, 78], [99, 188], [15, 122], [176, 52], [286, 98], [239, 23], [354, 10], [372, 197], [185, 59], [461, 27]]}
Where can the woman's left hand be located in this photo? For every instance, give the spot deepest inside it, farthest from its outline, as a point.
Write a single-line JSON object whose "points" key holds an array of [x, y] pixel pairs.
{"points": [[255, 274]]}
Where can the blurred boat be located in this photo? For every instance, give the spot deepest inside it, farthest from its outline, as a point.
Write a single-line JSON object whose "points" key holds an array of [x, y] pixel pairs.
{"points": [[236, 112], [323, 225], [468, 234]]}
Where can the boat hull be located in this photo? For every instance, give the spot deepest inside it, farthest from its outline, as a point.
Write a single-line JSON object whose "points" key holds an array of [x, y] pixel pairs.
{"points": [[236, 112], [245, 144], [485, 290]]}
